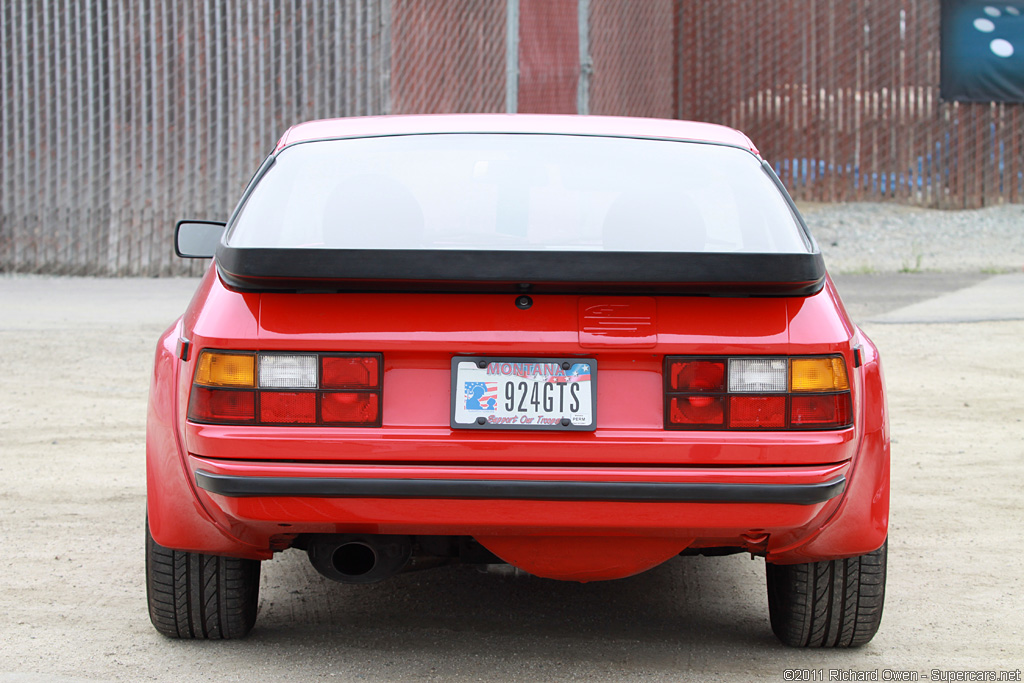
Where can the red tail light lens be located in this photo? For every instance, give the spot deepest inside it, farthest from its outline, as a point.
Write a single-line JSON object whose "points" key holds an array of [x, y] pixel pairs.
{"points": [[815, 411], [757, 412], [698, 410], [350, 408], [221, 405], [697, 375], [286, 407], [757, 393], [283, 388], [349, 372]]}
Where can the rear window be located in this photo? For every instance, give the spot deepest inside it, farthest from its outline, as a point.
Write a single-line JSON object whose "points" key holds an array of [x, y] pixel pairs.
{"points": [[517, 192]]}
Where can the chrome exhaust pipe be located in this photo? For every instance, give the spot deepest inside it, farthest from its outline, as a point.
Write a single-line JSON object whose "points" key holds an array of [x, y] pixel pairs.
{"points": [[359, 558]]}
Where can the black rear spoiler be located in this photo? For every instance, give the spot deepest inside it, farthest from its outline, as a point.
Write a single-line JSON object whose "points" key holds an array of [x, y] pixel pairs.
{"points": [[443, 270]]}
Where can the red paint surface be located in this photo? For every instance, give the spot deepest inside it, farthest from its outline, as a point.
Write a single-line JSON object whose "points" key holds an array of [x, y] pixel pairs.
{"points": [[618, 322], [584, 558]]}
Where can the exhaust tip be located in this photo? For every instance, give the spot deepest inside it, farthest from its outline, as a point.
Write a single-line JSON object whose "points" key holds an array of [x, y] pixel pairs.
{"points": [[359, 558], [354, 559]]}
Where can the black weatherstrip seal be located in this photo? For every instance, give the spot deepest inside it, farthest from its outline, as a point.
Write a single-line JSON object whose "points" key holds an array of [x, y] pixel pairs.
{"points": [[490, 489], [444, 270]]}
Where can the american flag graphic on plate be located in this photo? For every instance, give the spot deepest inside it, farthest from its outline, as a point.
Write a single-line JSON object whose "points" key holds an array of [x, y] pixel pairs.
{"points": [[481, 395], [580, 372]]}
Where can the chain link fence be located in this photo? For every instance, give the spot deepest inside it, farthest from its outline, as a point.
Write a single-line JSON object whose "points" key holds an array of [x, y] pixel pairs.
{"points": [[634, 69], [843, 99], [447, 57], [121, 116]]}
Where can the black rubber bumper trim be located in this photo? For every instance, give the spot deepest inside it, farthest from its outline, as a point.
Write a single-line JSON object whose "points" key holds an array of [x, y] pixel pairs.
{"points": [[489, 489]]}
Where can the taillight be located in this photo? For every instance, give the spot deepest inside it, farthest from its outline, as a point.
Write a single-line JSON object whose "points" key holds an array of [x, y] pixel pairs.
{"points": [[757, 412], [226, 370], [350, 408], [221, 406], [237, 387], [750, 393], [346, 372], [821, 411], [288, 407], [697, 410], [697, 375]]}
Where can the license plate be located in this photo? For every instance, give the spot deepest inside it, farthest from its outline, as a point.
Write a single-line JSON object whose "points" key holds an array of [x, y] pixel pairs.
{"points": [[524, 393]]}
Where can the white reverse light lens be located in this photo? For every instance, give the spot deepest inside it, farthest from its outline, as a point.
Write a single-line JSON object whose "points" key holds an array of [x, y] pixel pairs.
{"points": [[761, 375], [279, 371]]}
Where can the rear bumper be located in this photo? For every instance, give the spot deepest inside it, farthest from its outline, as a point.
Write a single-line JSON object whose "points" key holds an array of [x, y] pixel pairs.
{"points": [[718, 506], [236, 486]]}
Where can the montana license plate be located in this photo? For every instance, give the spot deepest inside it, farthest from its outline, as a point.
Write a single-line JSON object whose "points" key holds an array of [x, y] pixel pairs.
{"points": [[524, 393]]}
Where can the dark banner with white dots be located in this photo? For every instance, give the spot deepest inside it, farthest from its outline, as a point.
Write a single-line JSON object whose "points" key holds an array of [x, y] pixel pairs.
{"points": [[982, 51]]}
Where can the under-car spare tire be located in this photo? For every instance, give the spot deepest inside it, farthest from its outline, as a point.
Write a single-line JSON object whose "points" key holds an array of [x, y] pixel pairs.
{"points": [[192, 595], [828, 604]]}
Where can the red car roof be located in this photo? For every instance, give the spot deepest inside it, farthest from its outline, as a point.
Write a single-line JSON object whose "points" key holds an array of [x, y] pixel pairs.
{"points": [[368, 126]]}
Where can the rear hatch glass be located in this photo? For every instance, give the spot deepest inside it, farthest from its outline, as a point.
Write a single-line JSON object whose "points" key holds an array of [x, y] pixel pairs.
{"points": [[518, 209]]}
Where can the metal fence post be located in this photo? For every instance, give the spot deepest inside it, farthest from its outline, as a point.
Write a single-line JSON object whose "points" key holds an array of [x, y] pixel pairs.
{"points": [[586, 63], [511, 56], [385, 70]]}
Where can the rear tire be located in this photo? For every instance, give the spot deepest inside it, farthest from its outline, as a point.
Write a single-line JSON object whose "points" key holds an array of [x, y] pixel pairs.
{"points": [[192, 595], [828, 604]]}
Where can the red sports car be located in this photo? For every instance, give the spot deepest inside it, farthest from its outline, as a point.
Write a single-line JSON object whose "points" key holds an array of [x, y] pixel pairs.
{"points": [[581, 346]]}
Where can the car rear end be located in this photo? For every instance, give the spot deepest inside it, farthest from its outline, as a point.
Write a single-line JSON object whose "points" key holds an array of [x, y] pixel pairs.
{"points": [[421, 397]]}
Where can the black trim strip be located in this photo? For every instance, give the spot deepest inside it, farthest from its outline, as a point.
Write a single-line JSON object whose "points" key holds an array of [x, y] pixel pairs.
{"points": [[383, 270], [489, 489]]}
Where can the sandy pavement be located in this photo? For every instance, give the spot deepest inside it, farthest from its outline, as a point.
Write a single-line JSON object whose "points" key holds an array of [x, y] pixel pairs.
{"points": [[74, 363]]}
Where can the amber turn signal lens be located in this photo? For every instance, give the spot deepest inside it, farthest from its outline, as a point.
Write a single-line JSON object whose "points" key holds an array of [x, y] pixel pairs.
{"points": [[818, 374], [217, 369]]}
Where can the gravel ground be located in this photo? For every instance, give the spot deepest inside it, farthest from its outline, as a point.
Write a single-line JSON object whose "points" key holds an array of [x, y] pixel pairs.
{"points": [[886, 238]]}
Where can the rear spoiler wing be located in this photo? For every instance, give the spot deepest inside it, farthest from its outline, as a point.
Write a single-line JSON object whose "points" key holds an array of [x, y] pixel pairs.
{"points": [[449, 270]]}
